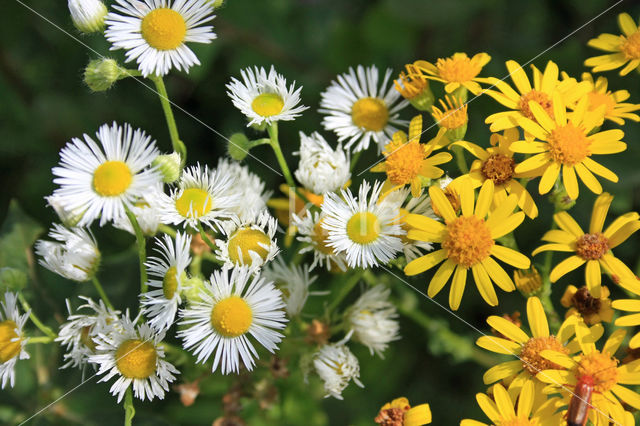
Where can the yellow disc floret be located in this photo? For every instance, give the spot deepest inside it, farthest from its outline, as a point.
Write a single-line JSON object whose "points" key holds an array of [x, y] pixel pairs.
{"points": [[568, 144], [530, 355], [370, 113], [136, 359], [499, 168], [245, 240], [194, 202], [363, 228], [170, 283], [404, 161], [267, 104], [10, 341], [601, 367], [459, 68], [631, 46], [541, 98], [112, 178], [231, 317], [468, 241], [163, 29], [592, 246]]}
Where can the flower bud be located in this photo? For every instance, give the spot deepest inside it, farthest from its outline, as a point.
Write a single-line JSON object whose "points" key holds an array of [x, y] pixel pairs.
{"points": [[100, 74], [170, 165], [528, 281], [415, 88], [560, 198], [88, 15], [239, 146], [194, 286]]}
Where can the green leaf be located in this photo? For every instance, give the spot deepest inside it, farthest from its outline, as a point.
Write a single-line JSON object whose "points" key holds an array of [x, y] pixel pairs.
{"points": [[17, 235]]}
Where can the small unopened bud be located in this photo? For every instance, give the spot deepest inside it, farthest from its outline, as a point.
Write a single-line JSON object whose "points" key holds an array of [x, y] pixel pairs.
{"points": [[217, 3], [239, 146], [101, 74], [194, 286], [169, 165], [560, 198], [88, 15], [528, 281]]}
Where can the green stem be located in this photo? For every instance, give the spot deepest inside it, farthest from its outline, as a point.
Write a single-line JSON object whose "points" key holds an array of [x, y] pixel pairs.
{"points": [[129, 73], [354, 160], [129, 409], [211, 258], [177, 144], [275, 144], [39, 339], [206, 238], [34, 319], [195, 268], [345, 289], [167, 230], [142, 248], [458, 153], [103, 295]]}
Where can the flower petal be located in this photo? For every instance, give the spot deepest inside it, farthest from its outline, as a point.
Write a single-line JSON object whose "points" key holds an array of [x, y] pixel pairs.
{"points": [[441, 203], [484, 284], [424, 263], [564, 267], [457, 287], [599, 212], [567, 223], [508, 329], [498, 275], [511, 257], [499, 345], [441, 277], [537, 318]]}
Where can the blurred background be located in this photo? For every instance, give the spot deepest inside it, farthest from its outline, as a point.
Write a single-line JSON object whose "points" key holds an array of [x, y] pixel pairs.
{"points": [[44, 103]]}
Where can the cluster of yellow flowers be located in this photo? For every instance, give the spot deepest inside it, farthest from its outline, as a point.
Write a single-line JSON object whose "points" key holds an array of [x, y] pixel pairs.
{"points": [[551, 130]]}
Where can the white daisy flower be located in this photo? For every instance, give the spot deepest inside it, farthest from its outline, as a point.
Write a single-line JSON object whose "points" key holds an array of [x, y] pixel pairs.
{"points": [[264, 98], [251, 187], [372, 319], [358, 111], [12, 338], [294, 282], [101, 184], [147, 213], [169, 275], [75, 256], [202, 196], [249, 243], [421, 205], [135, 355], [155, 32], [366, 229], [322, 169], [230, 310], [311, 231], [80, 330], [88, 15], [336, 366]]}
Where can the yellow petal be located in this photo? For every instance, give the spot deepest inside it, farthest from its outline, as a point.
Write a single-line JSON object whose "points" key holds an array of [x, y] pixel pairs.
{"points": [[424, 223], [511, 257], [425, 262], [484, 199], [599, 212], [626, 23], [484, 285], [502, 371], [623, 233], [415, 127], [559, 109], [467, 197], [499, 345], [519, 77], [614, 341], [549, 178], [498, 275], [441, 203], [593, 277], [457, 287], [525, 201], [570, 182], [556, 377], [419, 235], [564, 267], [417, 416], [507, 225], [552, 247], [619, 222], [568, 224], [474, 149], [503, 401], [559, 236], [627, 396], [508, 329], [630, 305], [489, 408], [600, 170], [628, 320], [537, 318], [558, 358], [588, 178], [529, 147], [534, 163], [441, 277], [532, 127], [525, 401], [541, 116]]}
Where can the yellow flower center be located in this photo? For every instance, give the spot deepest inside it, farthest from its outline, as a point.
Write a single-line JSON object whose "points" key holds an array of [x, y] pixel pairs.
{"points": [[568, 144], [9, 348], [267, 104], [592, 246], [320, 239], [136, 359], [516, 422], [194, 202], [597, 99], [631, 46], [499, 168], [363, 228], [391, 416], [370, 114], [112, 178], [231, 317], [164, 29], [170, 283], [452, 115], [458, 68], [468, 241], [86, 339], [245, 240], [404, 161], [530, 355], [601, 367], [541, 98]]}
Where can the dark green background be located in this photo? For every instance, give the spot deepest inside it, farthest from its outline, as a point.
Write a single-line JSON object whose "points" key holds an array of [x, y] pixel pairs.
{"points": [[43, 104]]}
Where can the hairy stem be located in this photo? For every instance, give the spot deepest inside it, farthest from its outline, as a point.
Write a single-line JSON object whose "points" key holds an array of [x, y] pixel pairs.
{"points": [[142, 248]]}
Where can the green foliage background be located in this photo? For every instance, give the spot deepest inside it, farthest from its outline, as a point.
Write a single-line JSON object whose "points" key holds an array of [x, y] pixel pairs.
{"points": [[43, 104]]}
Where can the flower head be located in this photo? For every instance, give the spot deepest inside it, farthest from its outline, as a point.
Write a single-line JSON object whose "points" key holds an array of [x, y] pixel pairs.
{"points": [[88, 15], [623, 50], [12, 338], [467, 242], [456, 71], [400, 413], [312, 232], [322, 169], [336, 366], [592, 309], [294, 282], [75, 256], [615, 107], [372, 319], [155, 32]]}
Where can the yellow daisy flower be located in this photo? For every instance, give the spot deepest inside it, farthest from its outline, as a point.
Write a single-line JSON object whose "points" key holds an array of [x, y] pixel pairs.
{"points": [[467, 242], [453, 118], [399, 413], [457, 71], [541, 91], [505, 410], [616, 109], [414, 88], [497, 164], [600, 367], [593, 248], [408, 161], [624, 49], [516, 342], [629, 305], [567, 145], [592, 309]]}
